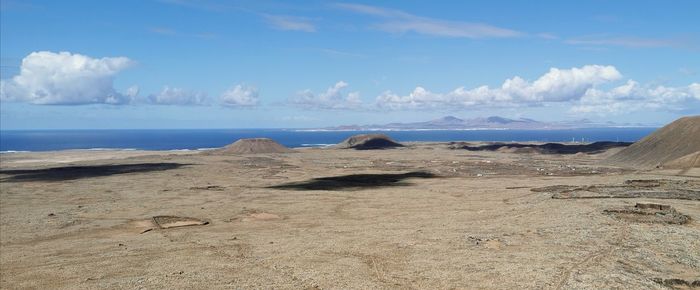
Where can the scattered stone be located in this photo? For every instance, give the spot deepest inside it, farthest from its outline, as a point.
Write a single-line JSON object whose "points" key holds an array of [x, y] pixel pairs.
{"points": [[166, 222], [677, 283], [656, 206], [208, 187], [655, 188], [649, 213], [643, 182], [488, 242]]}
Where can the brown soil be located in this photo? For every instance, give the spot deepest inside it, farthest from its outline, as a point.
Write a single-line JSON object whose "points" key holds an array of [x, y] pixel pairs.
{"points": [[424, 216], [253, 146], [673, 141], [687, 161]]}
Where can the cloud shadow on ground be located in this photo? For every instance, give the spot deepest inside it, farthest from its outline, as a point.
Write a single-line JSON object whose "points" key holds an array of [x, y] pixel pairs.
{"points": [[88, 171], [355, 181]]}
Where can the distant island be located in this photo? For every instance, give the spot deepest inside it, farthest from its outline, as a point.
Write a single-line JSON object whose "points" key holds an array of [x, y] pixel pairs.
{"points": [[488, 123]]}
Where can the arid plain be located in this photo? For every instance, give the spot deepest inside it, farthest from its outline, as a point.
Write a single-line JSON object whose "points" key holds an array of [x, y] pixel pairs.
{"points": [[424, 216]]}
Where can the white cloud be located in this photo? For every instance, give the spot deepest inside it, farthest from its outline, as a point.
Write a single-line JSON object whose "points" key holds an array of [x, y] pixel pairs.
{"points": [[332, 98], [420, 98], [240, 96], [397, 21], [64, 78], [292, 23], [444, 28], [372, 10], [578, 87], [634, 97], [132, 92], [178, 96], [557, 85], [564, 84]]}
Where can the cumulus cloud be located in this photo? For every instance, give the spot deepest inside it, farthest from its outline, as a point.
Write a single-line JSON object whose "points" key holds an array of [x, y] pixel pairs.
{"points": [[397, 21], [332, 98], [419, 98], [64, 78], [557, 85], [633, 96], [240, 96], [562, 84], [292, 23], [579, 87], [178, 96], [132, 92]]}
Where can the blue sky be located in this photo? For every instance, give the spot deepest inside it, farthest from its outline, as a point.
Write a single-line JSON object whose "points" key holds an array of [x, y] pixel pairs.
{"points": [[259, 64]]}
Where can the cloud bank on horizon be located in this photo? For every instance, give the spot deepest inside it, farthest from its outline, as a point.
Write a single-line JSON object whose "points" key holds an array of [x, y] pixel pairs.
{"points": [[64, 78], [579, 87]]}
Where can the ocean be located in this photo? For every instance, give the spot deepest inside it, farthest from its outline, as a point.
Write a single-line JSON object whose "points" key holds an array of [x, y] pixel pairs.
{"points": [[194, 139]]}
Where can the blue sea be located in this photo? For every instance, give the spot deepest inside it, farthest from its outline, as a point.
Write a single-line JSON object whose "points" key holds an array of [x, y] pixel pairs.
{"points": [[48, 140]]}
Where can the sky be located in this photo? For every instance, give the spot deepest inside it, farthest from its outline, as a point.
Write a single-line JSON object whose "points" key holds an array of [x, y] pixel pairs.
{"points": [[302, 64]]}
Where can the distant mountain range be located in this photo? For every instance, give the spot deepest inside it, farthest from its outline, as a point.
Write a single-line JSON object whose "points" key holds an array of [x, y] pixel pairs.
{"points": [[493, 122]]}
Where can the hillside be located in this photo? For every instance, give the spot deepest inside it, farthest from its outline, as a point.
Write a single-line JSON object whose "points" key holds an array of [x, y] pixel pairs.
{"points": [[675, 140]]}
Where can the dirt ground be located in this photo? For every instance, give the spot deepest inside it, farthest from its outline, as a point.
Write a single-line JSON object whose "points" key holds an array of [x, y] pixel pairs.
{"points": [[425, 216]]}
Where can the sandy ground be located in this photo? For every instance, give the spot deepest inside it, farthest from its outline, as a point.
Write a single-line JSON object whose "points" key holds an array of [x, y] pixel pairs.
{"points": [[419, 217]]}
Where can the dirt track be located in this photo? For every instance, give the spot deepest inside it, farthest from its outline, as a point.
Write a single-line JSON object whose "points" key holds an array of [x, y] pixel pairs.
{"points": [[423, 217]]}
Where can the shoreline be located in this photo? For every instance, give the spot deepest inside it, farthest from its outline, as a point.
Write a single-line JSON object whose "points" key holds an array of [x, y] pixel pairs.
{"points": [[304, 146], [21, 158]]}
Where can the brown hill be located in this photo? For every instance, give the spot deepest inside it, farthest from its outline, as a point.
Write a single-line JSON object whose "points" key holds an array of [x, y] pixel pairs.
{"points": [[368, 142], [254, 145], [673, 141], [687, 161]]}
